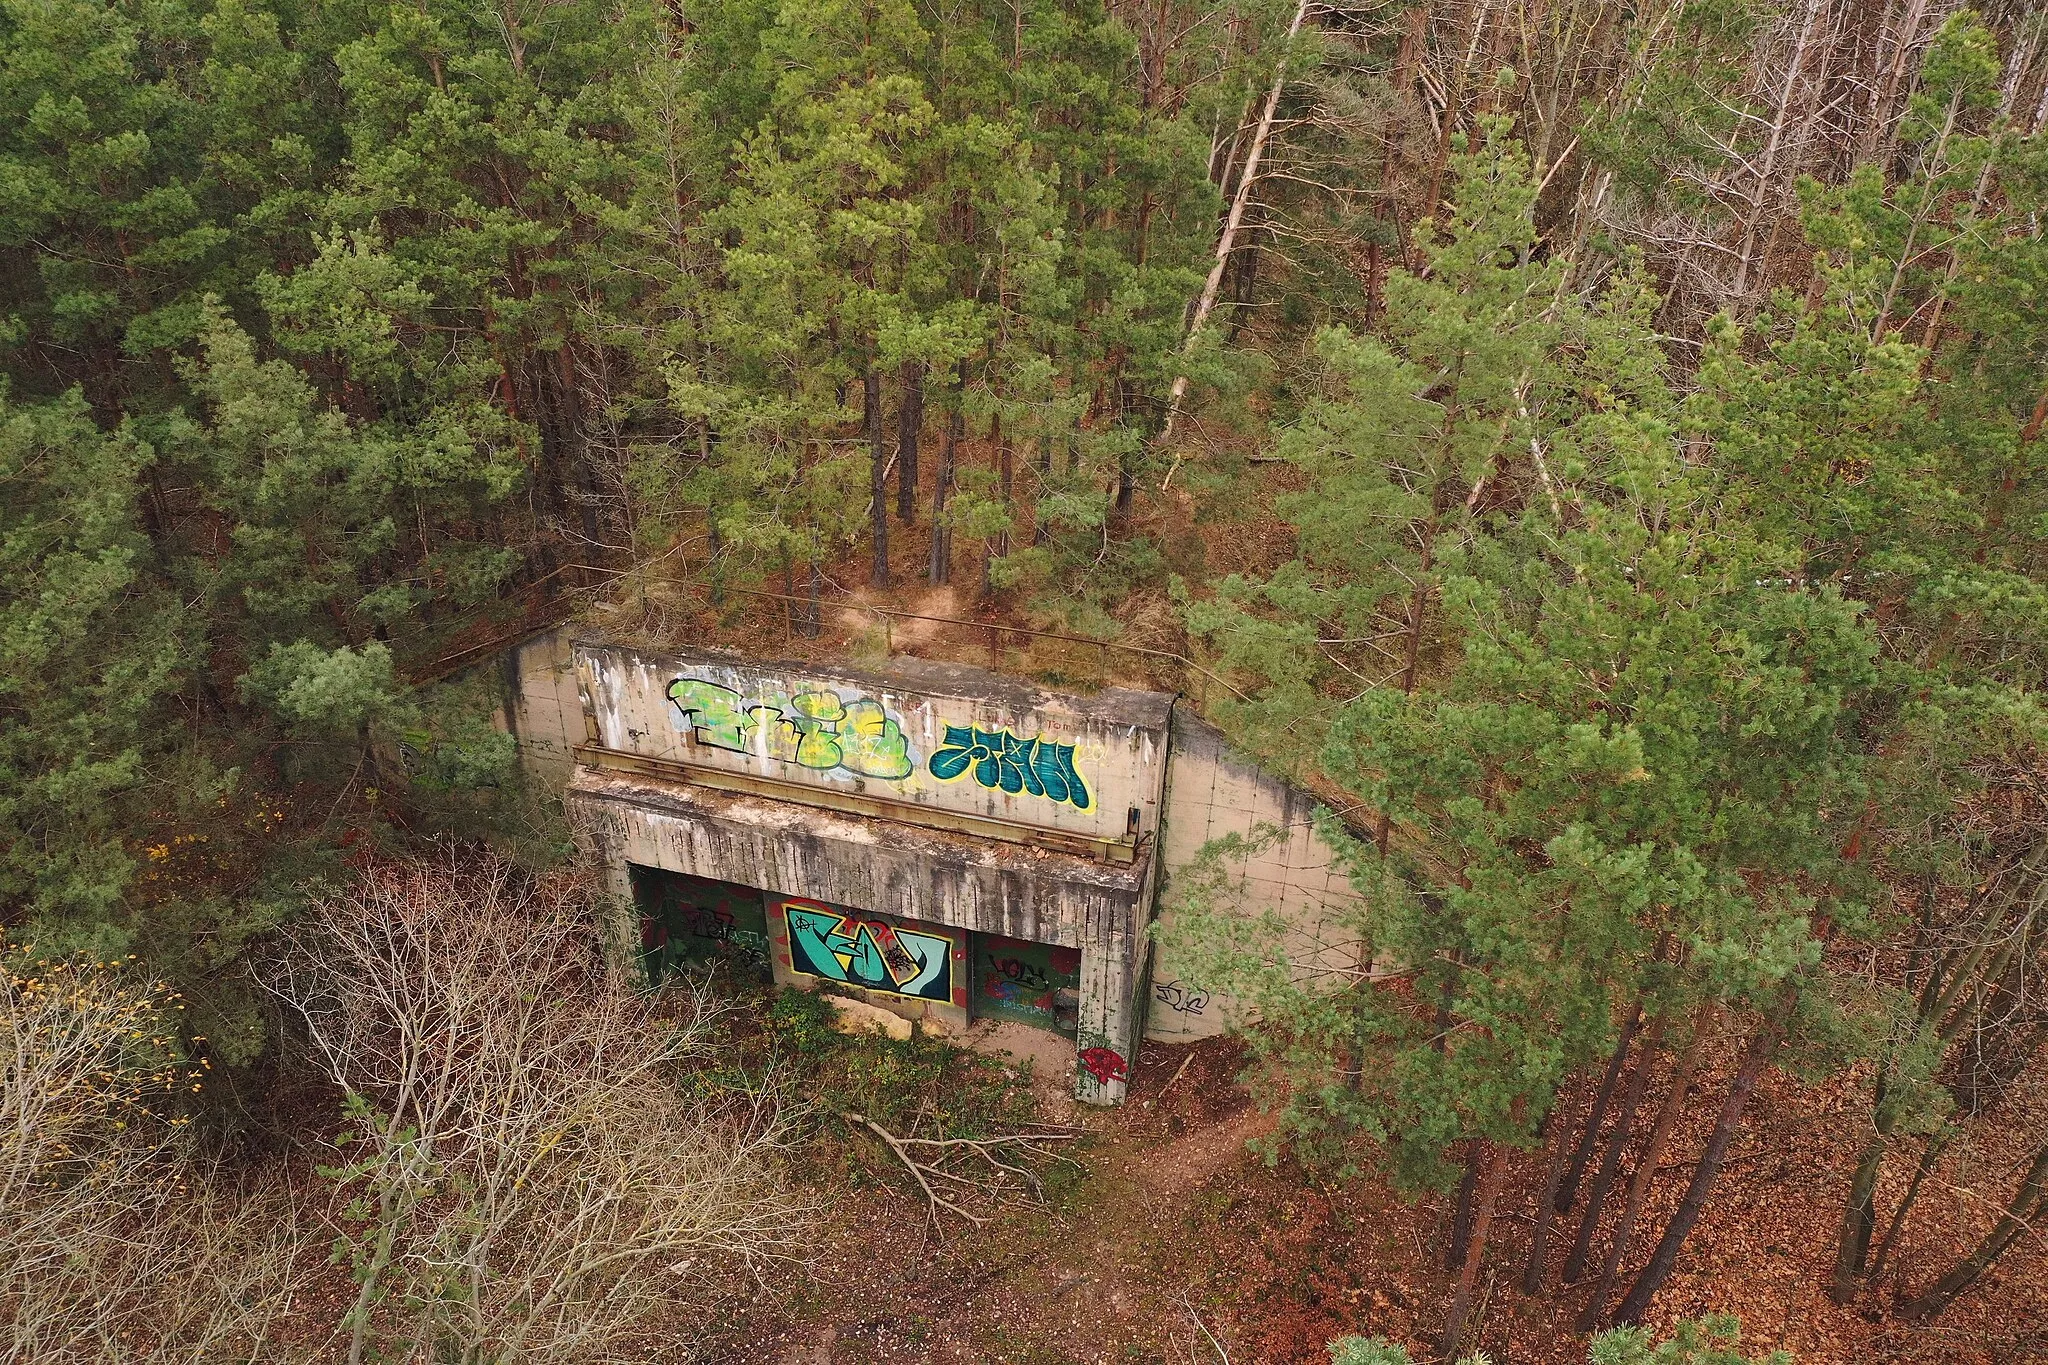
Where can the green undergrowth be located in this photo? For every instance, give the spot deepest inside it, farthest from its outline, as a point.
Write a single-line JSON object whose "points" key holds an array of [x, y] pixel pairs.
{"points": [[923, 1085], [918, 1087]]}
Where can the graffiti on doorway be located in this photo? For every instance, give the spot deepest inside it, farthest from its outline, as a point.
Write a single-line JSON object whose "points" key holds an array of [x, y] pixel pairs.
{"points": [[998, 758], [869, 953], [1030, 982], [817, 729]]}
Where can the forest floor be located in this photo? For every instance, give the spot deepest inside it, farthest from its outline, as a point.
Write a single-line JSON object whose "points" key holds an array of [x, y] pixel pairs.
{"points": [[1180, 1233]]}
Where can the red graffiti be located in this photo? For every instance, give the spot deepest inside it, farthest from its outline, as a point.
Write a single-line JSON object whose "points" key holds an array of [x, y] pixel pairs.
{"points": [[1103, 1064]]}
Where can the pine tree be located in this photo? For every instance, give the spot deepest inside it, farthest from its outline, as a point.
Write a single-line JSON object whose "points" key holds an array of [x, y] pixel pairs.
{"points": [[95, 648]]}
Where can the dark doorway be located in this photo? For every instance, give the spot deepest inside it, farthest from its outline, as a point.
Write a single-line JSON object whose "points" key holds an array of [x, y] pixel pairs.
{"points": [[1032, 983], [694, 920]]}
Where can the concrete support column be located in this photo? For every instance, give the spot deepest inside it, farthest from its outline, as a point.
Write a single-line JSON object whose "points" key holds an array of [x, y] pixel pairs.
{"points": [[618, 918], [1108, 1040]]}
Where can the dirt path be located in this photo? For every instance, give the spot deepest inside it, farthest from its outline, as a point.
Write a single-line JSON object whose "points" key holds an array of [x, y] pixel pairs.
{"points": [[1180, 1230]]}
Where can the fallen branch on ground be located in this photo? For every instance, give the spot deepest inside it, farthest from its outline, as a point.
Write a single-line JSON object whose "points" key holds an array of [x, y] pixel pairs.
{"points": [[926, 1159]]}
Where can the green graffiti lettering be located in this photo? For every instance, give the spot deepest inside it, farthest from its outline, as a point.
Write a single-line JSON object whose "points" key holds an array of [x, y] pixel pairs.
{"points": [[714, 712], [816, 728]]}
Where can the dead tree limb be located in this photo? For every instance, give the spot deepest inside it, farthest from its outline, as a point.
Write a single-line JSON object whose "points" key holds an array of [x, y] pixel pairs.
{"points": [[925, 1159]]}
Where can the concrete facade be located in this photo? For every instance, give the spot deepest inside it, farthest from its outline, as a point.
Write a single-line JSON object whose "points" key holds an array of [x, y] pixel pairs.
{"points": [[1213, 792], [939, 737], [817, 785], [933, 795]]}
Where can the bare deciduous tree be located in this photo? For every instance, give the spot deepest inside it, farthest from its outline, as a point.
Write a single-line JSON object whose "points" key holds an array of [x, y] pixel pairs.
{"points": [[529, 1179], [117, 1245]]}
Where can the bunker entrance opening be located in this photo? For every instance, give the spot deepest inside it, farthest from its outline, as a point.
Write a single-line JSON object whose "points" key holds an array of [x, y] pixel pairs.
{"points": [[694, 921], [945, 975], [1029, 983]]}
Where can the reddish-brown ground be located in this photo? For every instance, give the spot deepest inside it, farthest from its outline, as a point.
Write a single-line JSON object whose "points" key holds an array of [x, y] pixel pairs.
{"points": [[1180, 1231]]}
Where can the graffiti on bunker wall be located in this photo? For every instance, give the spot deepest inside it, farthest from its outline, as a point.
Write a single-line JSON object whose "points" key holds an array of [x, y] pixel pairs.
{"points": [[824, 731], [869, 953], [1000, 759], [1032, 983], [817, 729], [688, 921], [1104, 1064], [1179, 998]]}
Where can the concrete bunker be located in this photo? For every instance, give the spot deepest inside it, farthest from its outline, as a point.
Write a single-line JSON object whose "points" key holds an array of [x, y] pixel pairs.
{"points": [[943, 843], [894, 809]]}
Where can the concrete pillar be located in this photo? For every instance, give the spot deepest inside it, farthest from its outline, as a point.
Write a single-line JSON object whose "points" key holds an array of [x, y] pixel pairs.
{"points": [[1107, 1044]]}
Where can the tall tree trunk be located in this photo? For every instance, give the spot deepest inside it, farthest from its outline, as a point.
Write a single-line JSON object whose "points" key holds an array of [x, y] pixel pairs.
{"points": [[1610, 1160], [1762, 1047], [1929, 1159], [714, 547], [909, 426], [1767, 162], [1859, 1211], [1243, 284], [1226, 241], [2026, 1201], [1006, 480], [1001, 543], [791, 622], [1559, 1146], [1646, 1166], [1475, 1253], [1568, 1188], [1453, 106], [1943, 1011], [878, 470], [941, 569], [1461, 1216]]}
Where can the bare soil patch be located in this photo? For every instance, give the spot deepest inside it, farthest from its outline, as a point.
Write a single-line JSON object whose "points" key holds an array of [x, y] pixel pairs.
{"points": [[1179, 1217]]}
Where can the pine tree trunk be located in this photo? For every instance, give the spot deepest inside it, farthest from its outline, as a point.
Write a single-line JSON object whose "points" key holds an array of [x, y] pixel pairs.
{"points": [[1006, 479], [1859, 1211], [1568, 1188], [714, 545], [878, 471], [1610, 1160], [1475, 1252], [1461, 1217], [1940, 1014], [1226, 241], [909, 426], [1539, 1236], [2026, 1201], [1646, 1167], [941, 568], [1454, 104], [1762, 1047], [791, 623], [1767, 160]]}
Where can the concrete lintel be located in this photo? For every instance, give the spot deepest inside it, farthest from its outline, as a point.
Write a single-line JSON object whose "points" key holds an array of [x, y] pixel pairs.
{"points": [[893, 869]]}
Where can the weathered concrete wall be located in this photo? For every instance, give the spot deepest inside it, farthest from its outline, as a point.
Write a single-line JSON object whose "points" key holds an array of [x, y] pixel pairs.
{"points": [[936, 735], [1130, 749], [894, 869], [1212, 792], [544, 710]]}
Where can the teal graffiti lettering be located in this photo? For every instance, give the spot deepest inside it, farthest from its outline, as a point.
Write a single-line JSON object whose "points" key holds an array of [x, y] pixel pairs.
{"points": [[999, 759], [869, 953]]}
